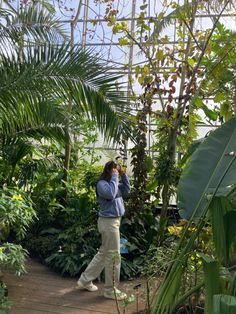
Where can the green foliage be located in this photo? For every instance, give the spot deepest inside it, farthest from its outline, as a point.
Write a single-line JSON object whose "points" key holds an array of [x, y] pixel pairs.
{"points": [[5, 304], [219, 287], [219, 80], [12, 256], [16, 211], [158, 258], [203, 191], [214, 160], [140, 232], [65, 236], [212, 282], [31, 22], [224, 304], [222, 216], [166, 170], [139, 197], [42, 246], [34, 95], [76, 247]]}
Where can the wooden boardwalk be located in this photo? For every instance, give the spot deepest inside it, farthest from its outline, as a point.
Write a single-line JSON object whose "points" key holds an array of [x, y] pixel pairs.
{"points": [[41, 291]]}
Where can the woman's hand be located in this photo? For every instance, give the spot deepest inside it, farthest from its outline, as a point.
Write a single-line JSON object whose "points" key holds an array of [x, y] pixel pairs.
{"points": [[121, 171]]}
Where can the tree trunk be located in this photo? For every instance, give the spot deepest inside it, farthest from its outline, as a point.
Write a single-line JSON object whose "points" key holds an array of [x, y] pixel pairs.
{"points": [[67, 143]]}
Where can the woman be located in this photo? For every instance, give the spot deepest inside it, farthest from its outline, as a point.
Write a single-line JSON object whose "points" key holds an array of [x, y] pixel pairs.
{"points": [[110, 193]]}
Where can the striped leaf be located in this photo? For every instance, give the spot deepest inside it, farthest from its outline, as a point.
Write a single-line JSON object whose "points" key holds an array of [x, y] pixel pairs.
{"points": [[212, 281], [212, 165], [224, 304]]}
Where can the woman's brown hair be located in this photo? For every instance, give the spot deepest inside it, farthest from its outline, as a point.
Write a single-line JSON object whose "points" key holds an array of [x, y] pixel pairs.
{"points": [[107, 171]]}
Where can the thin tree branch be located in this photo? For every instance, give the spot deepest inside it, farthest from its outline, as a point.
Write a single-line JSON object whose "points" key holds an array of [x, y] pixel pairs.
{"points": [[191, 32], [150, 61], [195, 69]]}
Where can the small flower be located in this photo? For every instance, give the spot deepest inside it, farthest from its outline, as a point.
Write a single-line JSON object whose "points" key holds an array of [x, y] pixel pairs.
{"points": [[17, 197], [175, 230]]}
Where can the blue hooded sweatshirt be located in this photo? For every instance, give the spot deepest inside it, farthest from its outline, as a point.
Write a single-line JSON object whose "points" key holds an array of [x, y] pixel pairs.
{"points": [[110, 196]]}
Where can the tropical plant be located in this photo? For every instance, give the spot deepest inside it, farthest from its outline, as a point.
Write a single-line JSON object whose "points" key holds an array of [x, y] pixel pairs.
{"points": [[76, 247], [209, 181], [220, 84], [39, 71], [139, 197], [65, 237], [16, 212], [173, 76], [4, 302], [12, 256], [39, 80]]}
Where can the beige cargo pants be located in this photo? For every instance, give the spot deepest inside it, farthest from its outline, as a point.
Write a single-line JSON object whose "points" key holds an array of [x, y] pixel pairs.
{"points": [[108, 256]]}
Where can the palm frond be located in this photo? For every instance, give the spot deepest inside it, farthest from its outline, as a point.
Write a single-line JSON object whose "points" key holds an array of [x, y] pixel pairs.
{"points": [[33, 24], [34, 118], [14, 149], [57, 72], [43, 164], [113, 119]]}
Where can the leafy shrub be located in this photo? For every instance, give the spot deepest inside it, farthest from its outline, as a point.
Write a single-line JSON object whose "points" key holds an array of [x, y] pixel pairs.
{"points": [[41, 246], [4, 302], [158, 258], [65, 235], [77, 245], [12, 256], [140, 232], [16, 212]]}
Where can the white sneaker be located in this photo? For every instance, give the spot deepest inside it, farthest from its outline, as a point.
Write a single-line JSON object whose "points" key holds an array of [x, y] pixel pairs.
{"points": [[117, 294], [89, 287]]}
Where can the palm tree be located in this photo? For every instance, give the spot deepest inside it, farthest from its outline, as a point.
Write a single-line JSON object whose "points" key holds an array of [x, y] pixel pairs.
{"points": [[37, 79]]}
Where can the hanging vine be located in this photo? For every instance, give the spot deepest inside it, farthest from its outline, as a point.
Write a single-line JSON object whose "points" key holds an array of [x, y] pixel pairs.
{"points": [[139, 198]]}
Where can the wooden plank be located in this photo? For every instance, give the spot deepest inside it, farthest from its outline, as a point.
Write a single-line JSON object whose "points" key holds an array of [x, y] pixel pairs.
{"points": [[27, 310], [84, 300], [47, 308], [41, 291]]}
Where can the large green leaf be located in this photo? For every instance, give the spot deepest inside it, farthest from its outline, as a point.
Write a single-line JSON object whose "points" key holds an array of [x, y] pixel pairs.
{"points": [[170, 296], [223, 221], [218, 228], [50, 74], [232, 288], [212, 281], [224, 304], [32, 73], [230, 229], [211, 167]]}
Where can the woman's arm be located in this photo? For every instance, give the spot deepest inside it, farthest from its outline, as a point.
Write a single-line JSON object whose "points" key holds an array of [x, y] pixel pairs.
{"points": [[124, 185], [108, 190]]}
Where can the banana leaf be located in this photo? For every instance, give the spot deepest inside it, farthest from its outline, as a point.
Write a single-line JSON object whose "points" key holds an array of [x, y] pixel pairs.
{"points": [[212, 165], [223, 219], [233, 286], [224, 304], [193, 146], [171, 294], [230, 228], [212, 281], [217, 210]]}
